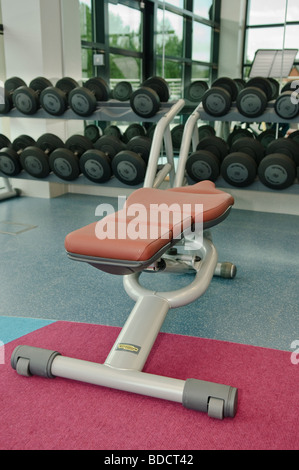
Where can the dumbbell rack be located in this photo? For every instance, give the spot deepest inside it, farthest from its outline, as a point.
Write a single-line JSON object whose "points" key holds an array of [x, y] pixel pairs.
{"points": [[190, 137], [113, 110], [233, 115]]}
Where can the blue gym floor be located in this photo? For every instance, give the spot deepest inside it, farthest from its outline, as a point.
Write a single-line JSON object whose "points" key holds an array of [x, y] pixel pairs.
{"points": [[39, 284]]}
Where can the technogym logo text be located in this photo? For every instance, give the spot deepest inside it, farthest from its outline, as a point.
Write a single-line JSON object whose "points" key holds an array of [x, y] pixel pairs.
{"points": [[151, 222]]}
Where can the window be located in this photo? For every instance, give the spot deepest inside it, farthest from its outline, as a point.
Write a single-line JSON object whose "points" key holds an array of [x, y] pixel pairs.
{"points": [[266, 27], [124, 27], [175, 39]]}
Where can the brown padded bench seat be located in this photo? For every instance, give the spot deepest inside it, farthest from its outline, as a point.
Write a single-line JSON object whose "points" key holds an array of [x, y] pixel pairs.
{"points": [[124, 255]]}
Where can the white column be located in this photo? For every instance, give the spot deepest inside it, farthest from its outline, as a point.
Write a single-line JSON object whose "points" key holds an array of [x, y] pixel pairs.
{"points": [[42, 38], [231, 38]]}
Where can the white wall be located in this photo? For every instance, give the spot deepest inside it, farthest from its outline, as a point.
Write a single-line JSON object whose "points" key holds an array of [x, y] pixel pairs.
{"points": [[231, 38], [41, 38]]}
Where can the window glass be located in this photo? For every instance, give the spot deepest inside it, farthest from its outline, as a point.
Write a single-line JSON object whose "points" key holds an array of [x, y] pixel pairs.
{"points": [[176, 3], [173, 74], [124, 27], [86, 19], [203, 8], [201, 42], [200, 72], [87, 62], [271, 38], [171, 34], [293, 10], [266, 12], [263, 38], [125, 68]]}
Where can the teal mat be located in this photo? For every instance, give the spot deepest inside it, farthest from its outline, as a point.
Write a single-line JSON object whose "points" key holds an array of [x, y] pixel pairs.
{"points": [[12, 328]]}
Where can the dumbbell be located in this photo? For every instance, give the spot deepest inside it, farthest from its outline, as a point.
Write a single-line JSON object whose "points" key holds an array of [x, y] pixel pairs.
{"points": [[96, 166], [93, 132], [218, 99], [146, 100], [195, 91], [240, 82], [64, 162], [10, 85], [205, 131], [294, 136], [110, 145], [287, 105], [122, 91], [54, 100], [238, 133], [114, 131], [129, 166], [253, 99], [10, 163], [83, 100], [239, 167], [95, 163], [204, 163], [177, 135], [26, 99], [4, 141], [278, 169], [35, 158], [133, 130], [268, 136]]}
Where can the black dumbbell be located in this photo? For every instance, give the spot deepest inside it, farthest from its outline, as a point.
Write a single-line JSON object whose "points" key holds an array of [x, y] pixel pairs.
{"points": [[240, 82], [253, 99], [114, 131], [146, 100], [26, 99], [287, 105], [133, 130], [238, 133], [195, 91], [35, 158], [205, 131], [218, 99], [4, 141], [96, 166], [278, 169], [129, 166], [239, 167], [275, 87], [177, 135], [268, 136], [10, 163], [95, 163], [294, 136], [54, 100], [204, 163], [10, 85], [122, 91], [83, 100], [110, 145], [64, 162], [93, 132]]}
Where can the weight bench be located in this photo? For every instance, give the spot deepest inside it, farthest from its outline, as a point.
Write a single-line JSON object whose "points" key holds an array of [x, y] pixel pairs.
{"points": [[157, 231]]}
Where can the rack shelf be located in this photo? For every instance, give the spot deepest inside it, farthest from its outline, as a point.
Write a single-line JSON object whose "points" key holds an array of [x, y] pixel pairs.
{"points": [[111, 110], [114, 110], [234, 116]]}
